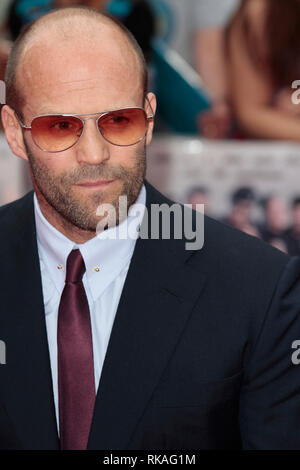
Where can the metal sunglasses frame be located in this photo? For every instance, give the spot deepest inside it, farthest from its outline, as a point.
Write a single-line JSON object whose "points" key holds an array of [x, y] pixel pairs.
{"points": [[100, 115]]}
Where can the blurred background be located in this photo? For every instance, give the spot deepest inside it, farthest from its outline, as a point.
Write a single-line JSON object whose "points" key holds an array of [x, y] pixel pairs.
{"points": [[227, 77]]}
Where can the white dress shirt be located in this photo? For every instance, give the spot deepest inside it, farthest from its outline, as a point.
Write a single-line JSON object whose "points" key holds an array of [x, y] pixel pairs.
{"points": [[107, 257]]}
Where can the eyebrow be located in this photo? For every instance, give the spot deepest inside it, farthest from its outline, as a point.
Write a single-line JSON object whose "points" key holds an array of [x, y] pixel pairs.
{"points": [[55, 113]]}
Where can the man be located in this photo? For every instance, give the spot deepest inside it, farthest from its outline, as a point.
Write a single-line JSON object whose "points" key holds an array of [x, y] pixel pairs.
{"points": [[275, 212], [239, 217], [273, 229], [126, 343], [199, 195]]}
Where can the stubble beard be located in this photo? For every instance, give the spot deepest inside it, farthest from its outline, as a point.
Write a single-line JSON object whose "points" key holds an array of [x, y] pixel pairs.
{"points": [[59, 193]]}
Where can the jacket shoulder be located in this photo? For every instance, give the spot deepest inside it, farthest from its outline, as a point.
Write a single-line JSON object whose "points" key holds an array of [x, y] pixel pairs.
{"points": [[16, 214], [242, 248], [17, 204]]}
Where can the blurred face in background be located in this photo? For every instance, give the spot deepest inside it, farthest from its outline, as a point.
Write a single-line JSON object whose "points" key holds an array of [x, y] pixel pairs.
{"points": [[241, 213], [296, 218], [276, 214], [199, 197]]}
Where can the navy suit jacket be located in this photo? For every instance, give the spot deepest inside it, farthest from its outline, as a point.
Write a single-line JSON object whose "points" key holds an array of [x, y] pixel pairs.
{"points": [[200, 354]]}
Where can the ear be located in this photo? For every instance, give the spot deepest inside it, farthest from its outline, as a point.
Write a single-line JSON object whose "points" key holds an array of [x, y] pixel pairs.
{"points": [[150, 106], [13, 132]]}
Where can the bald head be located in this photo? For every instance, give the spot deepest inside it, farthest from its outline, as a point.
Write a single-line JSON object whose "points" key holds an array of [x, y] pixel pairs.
{"points": [[62, 38]]}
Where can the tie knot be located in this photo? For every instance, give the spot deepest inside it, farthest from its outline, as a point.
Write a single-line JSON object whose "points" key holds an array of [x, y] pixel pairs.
{"points": [[75, 267]]}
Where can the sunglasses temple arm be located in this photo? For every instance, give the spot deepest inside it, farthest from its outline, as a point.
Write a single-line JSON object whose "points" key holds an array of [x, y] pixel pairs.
{"points": [[20, 121], [151, 116]]}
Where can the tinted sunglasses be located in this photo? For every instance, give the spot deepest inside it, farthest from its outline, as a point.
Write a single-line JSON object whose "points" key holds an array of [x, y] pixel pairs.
{"points": [[59, 132]]}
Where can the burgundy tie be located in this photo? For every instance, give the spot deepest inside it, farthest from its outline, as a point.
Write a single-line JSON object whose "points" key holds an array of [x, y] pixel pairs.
{"points": [[76, 383]]}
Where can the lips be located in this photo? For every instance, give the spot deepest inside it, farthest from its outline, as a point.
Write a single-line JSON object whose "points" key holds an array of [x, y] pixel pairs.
{"points": [[91, 184]]}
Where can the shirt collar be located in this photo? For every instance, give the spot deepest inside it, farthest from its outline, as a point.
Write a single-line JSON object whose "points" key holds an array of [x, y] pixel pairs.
{"points": [[105, 255]]}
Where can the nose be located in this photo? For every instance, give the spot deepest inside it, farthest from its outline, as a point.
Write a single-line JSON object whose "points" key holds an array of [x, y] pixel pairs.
{"points": [[92, 148]]}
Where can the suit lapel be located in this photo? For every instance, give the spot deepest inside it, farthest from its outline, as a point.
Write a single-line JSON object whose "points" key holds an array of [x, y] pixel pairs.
{"points": [[26, 384], [158, 296]]}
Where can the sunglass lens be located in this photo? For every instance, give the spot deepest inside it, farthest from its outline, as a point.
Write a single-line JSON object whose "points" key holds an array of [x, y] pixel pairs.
{"points": [[124, 127], [56, 133]]}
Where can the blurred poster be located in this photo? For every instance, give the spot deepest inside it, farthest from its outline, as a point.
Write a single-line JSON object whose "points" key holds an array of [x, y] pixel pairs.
{"points": [[14, 179], [251, 185]]}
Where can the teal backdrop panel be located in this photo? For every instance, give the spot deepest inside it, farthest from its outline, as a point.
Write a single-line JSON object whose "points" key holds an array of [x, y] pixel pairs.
{"points": [[181, 97]]}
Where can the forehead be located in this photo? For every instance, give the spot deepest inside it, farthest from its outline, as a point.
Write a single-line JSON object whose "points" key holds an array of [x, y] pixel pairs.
{"points": [[80, 74]]}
